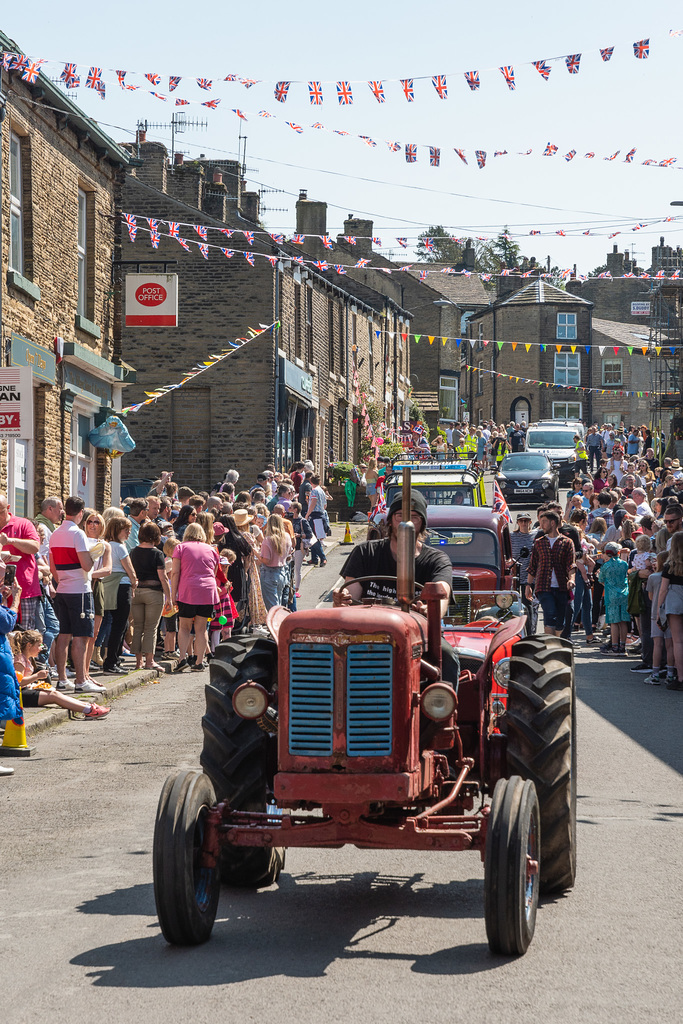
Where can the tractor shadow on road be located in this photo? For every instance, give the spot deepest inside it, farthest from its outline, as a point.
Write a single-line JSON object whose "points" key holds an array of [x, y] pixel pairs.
{"points": [[297, 929]]}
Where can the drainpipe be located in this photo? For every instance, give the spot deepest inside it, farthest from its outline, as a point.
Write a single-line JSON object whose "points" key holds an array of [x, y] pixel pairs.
{"points": [[276, 338], [348, 379], [3, 112]]}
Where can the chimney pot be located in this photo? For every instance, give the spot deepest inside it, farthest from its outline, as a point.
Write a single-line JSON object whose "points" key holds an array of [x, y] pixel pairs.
{"points": [[217, 178], [178, 159], [303, 193], [141, 136]]}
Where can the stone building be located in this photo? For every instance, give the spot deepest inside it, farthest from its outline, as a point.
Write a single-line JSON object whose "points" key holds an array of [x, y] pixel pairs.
{"points": [[61, 179], [290, 393]]}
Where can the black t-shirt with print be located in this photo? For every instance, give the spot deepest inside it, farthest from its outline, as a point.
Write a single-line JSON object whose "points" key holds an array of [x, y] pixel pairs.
{"points": [[374, 558]]}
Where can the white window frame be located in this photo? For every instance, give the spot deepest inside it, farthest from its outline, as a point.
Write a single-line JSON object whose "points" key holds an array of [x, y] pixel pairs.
{"points": [[612, 383], [561, 410], [448, 386], [16, 207], [480, 416], [371, 353], [79, 461], [566, 327], [480, 379], [82, 242], [567, 369]]}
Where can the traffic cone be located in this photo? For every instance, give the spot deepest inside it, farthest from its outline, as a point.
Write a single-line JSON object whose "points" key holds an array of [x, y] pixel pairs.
{"points": [[14, 741], [347, 535]]}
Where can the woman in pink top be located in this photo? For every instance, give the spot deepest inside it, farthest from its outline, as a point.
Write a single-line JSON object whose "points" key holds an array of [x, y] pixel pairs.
{"points": [[193, 587]]}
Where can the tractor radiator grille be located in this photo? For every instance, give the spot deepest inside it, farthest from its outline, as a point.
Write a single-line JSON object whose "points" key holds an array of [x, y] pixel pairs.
{"points": [[311, 694], [368, 699]]}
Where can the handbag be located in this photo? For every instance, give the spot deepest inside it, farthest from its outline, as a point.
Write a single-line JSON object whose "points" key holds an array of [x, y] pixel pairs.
{"points": [[111, 590], [636, 600]]}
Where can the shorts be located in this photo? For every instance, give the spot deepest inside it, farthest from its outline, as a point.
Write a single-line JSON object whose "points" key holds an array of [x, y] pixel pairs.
{"points": [[657, 633], [98, 597], [370, 489], [190, 611], [29, 697], [554, 605], [171, 623], [673, 603], [75, 613]]}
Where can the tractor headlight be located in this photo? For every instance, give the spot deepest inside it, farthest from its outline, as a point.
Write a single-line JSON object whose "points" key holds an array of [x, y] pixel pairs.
{"points": [[504, 601], [250, 700], [438, 702], [501, 673]]}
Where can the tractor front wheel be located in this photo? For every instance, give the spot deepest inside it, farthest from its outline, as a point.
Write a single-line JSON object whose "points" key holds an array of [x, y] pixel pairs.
{"points": [[541, 746], [186, 893], [511, 880]]}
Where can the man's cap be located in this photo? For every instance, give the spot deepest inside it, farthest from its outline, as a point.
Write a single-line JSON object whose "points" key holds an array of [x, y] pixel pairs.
{"points": [[417, 504], [524, 515]]}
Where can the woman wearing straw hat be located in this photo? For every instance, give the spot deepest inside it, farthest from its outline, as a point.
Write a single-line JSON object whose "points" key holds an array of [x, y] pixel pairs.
{"points": [[243, 519]]}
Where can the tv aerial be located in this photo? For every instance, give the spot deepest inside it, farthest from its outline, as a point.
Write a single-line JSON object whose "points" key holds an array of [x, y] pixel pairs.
{"points": [[178, 124]]}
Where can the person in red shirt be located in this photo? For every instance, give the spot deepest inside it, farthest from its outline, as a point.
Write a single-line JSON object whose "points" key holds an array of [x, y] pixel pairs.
{"points": [[19, 537]]}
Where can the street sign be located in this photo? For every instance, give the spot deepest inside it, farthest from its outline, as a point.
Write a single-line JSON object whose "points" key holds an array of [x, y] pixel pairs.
{"points": [[640, 309], [151, 300], [16, 402]]}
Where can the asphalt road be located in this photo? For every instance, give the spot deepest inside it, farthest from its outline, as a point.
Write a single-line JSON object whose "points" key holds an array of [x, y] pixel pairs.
{"points": [[350, 935]]}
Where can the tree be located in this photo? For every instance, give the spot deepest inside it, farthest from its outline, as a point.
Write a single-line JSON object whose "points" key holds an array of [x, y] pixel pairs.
{"points": [[500, 253], [598, 270], [443, 248]]}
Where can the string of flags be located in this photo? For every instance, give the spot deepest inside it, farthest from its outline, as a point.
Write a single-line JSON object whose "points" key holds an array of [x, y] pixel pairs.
{"points": [[202, 367], [567, 387], [322, 265], [341, 90]]}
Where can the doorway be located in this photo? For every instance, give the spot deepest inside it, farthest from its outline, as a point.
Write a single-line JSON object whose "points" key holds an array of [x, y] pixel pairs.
{"points": [[521, 411]]}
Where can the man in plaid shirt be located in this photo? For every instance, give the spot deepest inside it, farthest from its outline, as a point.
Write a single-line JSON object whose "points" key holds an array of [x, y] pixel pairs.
{"points": [[551, 572]]}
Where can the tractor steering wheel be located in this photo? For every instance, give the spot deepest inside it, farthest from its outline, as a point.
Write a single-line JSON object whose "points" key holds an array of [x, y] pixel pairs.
{"points": [[337, 594]]}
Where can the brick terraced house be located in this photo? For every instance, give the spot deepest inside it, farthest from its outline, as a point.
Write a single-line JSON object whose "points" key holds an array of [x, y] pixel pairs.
{"points": [[61, 178]]}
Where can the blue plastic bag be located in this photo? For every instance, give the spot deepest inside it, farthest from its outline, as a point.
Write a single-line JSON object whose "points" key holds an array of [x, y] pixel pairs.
{"points": [[112, 436]]}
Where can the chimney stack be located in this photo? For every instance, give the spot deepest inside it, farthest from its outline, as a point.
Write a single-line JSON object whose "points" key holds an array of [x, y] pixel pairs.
{"points": [[178, 159], [217, 178]]}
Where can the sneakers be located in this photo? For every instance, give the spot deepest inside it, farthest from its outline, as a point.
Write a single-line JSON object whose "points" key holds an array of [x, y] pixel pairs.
{"points": [[96, 711], [65, 686], [654, 680], [199, 666], [4, 770], [641, 667], [53, 672], [90, 686], [70, 674], [673, 683], [182, 665], [608, 649]]}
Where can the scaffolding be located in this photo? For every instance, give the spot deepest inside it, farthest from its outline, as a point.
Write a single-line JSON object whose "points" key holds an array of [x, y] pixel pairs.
{"points": [[666, 339]]}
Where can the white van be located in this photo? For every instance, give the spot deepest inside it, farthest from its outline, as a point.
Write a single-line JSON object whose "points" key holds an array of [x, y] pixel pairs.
{"points": [[555, 438]]}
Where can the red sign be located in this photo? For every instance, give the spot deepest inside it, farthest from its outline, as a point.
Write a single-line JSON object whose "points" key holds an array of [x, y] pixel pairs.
{"points": [[151, 294], [151, 300]]}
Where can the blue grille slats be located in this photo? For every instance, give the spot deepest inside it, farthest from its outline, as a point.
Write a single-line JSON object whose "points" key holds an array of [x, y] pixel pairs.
{"points": [[311, 699], [369, 703]]}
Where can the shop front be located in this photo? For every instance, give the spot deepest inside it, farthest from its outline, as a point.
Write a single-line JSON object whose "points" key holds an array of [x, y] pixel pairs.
{"points": [[21, 450], [296, 417]]}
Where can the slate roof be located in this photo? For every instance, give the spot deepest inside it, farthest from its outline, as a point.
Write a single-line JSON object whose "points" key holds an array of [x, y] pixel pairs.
{"points": [[538, 291], [623, 334], [463, 291]]}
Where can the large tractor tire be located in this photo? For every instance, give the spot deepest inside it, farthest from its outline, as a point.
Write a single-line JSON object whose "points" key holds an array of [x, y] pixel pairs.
{"points": [[238, 756], [541, 746]]}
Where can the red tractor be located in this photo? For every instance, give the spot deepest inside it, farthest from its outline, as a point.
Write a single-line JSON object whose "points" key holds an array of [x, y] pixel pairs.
{"points": [[342, 730]]}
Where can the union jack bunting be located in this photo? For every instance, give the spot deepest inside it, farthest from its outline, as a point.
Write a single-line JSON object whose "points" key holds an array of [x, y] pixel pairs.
{"points": [[674, 32], [403, 242], [94, 81], [614, 234], [660, 273], [154, 223], [570, 155], [321, 264], [362, 263], [649, 163], [228, 232], [337, 131], [508, 73], [486, 277], [173, 82], [481, 157], [629, 156], [19, 62], [281, 90], [377, 241], [298, 239], [249, 236], [668, 162], [204, 250], [237, 111], [377, 90], [31, 71], [472, 79], [560, 232], [429, 244], [184, 244], [132, 231], [606, 54], [587, 232], [204, 83], [351, 239], [638, 227], [572, 62], [423, 275], [228, 253], [181, 103], [543, 69], [249, 257], [7, 59], [588, 156], [272, 260], [344, 93], [130, 219], [315, 93], [248, 82], [394, 146], [550, 150], [318, 125], [153, 78], [121, 76], [156, 94], [501, 152], [613, 156], [201, 231], [277, 237], [173, 228], [641, 49], [326, 240], [264, 113], [408, 90], [534, 232], [461, 154], [339, 268], [500, 505], [434, 156], [230, 78], [212, 104], [439, 83], [295, 127], [154, 239], [411, 153]]}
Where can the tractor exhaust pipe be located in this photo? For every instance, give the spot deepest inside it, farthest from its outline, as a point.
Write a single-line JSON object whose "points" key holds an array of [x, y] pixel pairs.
{"points": [[405, 554]]}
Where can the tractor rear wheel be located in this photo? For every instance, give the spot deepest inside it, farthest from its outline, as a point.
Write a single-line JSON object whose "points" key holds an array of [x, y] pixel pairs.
{"points": [[238, 756], [541, 746], [511, 882], [186, 894]]}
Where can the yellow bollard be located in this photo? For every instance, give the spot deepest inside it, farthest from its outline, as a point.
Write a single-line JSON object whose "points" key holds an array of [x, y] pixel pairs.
{"points": [[347, 535]]}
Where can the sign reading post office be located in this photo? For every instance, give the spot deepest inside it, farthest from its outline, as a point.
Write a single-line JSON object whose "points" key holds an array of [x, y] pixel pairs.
{"points": [[151, 300], [16, 402]]}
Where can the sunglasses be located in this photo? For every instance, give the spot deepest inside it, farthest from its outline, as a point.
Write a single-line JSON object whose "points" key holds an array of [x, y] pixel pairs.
{"points": [[676, 520]]}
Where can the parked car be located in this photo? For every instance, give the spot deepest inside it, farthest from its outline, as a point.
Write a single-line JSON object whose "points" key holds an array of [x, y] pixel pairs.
{"points": [[527, 476], [555, 438], [137, 488]]}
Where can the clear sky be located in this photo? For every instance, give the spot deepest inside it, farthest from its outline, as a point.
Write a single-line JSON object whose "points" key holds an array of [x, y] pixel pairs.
{"points": [[606, 107]]}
